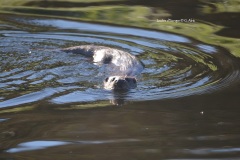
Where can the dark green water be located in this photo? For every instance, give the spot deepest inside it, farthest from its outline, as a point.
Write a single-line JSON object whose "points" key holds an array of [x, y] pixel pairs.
{"points": [[186, 105]]}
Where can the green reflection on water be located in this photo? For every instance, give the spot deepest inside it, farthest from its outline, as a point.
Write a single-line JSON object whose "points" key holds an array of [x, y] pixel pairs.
{"points": [[18, 109], [221, 6], [136, 15]]}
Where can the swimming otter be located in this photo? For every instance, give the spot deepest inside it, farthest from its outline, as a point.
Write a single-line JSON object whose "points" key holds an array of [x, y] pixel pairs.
{"points": [[120, 82], [123, 67]]}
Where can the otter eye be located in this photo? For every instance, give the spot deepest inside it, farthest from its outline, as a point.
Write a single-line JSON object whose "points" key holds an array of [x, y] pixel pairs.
{"points": [[112, 79], [106, 79]]}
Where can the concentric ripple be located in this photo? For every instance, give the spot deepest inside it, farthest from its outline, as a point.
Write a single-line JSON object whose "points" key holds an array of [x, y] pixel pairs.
{"points": [[33, 71]]}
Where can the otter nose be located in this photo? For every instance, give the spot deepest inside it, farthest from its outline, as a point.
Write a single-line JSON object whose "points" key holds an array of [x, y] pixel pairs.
{"points": [[120, 83]]}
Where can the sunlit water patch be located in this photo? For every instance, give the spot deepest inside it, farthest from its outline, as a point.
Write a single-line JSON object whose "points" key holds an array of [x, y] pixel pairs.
{"points": [[33, 71]]}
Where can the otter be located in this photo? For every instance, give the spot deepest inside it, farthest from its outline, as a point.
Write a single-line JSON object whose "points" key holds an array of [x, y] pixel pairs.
{"points": [[122, 66], [120, 83]]}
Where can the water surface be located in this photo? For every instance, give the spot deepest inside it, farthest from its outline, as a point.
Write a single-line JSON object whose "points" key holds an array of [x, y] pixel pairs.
{"points": [[33, 70], [53, 105]]}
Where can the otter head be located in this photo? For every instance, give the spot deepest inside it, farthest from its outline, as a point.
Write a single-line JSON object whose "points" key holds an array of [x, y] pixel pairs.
{"points": [[120, 83]]}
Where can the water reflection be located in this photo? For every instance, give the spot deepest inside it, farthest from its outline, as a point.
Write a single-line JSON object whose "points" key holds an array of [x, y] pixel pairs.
{"points": [[37, 145], [209, 151], [2, 120], [170, 129], [52, 104], [63, 24], [175, 66], [31, 97]]}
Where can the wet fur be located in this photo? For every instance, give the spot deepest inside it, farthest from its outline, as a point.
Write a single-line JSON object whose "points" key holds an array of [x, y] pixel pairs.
{"points": [[122, 66]]}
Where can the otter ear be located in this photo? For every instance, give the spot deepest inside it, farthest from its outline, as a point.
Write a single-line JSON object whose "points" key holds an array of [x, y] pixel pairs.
{"points": [[128, 79], [134, 80], [131, 79]]}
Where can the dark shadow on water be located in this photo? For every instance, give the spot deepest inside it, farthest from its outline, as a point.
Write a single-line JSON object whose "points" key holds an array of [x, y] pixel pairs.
{"points": [[119, 97]]}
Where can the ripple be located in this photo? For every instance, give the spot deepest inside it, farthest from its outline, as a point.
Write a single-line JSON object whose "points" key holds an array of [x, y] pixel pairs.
{"points": [[43, 144], [175, 66], [36, 145], [208, 151]]}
